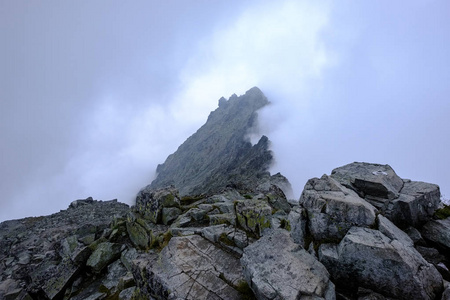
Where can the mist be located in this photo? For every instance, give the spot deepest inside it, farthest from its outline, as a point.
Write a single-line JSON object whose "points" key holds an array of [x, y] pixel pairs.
{"points": [[94, 95]]}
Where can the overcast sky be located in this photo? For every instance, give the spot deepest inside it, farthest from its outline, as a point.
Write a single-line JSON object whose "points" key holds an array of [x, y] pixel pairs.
{"points": [[94, 94]]}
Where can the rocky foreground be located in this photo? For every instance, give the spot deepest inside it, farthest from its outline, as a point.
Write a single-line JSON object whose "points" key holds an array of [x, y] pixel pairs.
{"points": [[334, 244], [215, 224]]}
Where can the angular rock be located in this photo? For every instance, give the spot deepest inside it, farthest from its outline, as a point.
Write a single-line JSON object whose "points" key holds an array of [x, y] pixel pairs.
{"points": [[127, 257], [227, 236], [405, 202], [367, 258], [297, 224], [438, 260], [188, 267], [150, 202], [438, 231], [253, 215], [393, 232], [415, 205], [58, 278], [333, 209], [170, 214], [138, 234], [277, 268], [127, 294], [217, 219], [143, 233], [104, 254], [111, 284], [415, 236], [369, 179]]}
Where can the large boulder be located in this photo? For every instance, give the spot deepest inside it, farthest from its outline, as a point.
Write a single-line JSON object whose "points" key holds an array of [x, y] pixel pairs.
{"points": [[438, 232], [369, 179], [333, 209], [404, 202], [104, 254], [253, 215], [150, 202], [189, 267], [368, 258], [277, 268], [297, 220], [415, 205]]}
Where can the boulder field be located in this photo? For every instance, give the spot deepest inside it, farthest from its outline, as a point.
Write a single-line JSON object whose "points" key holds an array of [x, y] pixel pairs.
{"points": [[215, 224], [331, 244]]}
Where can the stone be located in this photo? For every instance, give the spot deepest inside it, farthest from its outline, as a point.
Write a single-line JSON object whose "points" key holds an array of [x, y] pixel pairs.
{"points": [[138, 235], [415, 205], [369, 259], [150, 202], [333, 209], [415, 236], [253, 215], [60, 277], [298, 219], [393, 232], [104, 254], [116, 271], [225, 207], [438, 232], [127, 257], [277, 268], [227, 236], [189, 267], [170, 214], [217, 219], [80, 202], [369, 179], [405, 202], [127, 294]]}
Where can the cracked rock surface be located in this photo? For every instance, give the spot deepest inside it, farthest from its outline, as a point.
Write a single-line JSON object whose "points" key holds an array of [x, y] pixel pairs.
{"points": [[189, 267], [277, 268]]}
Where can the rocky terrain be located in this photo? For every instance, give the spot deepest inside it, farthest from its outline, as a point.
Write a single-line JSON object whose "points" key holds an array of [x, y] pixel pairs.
{"points": [[216, 225]]}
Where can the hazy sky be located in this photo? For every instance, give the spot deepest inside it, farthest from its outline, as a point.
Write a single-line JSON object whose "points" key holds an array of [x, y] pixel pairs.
{"points": [[94, 94]]}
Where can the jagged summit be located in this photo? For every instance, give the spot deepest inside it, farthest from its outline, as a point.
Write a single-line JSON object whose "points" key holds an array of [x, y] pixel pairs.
{"points": [[219, 155]]}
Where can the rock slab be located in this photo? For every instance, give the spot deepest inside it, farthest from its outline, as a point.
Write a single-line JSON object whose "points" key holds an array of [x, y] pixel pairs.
{"points": [[277, 268], [189, 267], [369, 259]]}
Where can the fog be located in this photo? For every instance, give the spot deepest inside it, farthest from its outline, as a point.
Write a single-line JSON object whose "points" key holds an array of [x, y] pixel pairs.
{"points": [[93, 95]]}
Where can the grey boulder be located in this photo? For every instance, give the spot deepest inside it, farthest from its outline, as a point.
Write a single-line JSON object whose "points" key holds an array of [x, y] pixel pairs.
{"points": [[189, 267], [404, 202], [368, 258], [150, 202], [438, 231], [333, 209], [277, 268]]}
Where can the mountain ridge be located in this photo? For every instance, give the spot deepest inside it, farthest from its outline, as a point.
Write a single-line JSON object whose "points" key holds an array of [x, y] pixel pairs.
{"points": [[219, 153]]}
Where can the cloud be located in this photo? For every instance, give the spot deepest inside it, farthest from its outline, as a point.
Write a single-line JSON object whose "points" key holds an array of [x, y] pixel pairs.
{"points": [[97, 95]]}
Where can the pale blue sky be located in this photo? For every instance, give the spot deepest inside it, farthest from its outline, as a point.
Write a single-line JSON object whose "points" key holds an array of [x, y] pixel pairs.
{"points": [[94, 94]]}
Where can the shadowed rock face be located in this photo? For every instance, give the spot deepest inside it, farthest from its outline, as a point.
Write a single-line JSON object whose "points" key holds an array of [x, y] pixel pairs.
{"points": [[219, 154]]}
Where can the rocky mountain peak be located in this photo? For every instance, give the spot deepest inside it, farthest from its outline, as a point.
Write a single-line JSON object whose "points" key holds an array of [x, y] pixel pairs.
{"points": [[362, 232], [219, 154]]}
